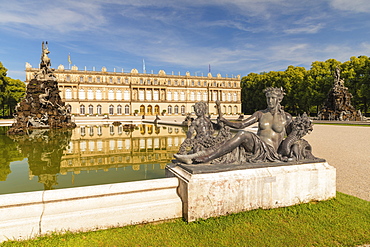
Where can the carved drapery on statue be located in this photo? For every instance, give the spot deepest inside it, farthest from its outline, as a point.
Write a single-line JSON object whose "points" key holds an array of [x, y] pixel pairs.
{"points": [[42, 107], [338, 103]]}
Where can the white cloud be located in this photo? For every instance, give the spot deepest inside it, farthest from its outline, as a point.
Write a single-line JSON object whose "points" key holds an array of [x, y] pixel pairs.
{"points": [[357, 6]]}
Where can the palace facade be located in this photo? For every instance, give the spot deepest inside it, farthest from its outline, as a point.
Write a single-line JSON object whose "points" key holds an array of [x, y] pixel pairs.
{"points": [[88, 93]]}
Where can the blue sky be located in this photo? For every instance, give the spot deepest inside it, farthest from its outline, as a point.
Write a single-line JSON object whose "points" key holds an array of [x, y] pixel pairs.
{"points": [[232, 36]]}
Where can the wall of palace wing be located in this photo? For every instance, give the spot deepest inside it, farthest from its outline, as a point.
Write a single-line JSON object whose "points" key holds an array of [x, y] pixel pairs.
{"points": [[118, 93]]}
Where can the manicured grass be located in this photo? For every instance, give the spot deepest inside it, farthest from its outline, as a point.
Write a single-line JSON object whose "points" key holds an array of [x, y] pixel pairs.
{"points": [[343, 221]]}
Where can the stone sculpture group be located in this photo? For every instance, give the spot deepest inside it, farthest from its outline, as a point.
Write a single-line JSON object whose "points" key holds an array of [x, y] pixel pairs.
{"points": [[278, 139], [42, 107], [338, 103]]}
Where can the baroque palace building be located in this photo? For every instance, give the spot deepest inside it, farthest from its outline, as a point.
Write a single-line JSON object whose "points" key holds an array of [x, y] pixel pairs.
{"points": [[89, 93]]}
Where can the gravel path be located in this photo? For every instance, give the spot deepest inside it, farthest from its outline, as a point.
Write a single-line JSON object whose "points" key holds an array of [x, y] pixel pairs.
{"points": [[347, 148]]}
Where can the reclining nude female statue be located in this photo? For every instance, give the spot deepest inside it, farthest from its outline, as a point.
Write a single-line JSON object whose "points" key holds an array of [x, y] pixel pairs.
{"points": [[267, 145]]}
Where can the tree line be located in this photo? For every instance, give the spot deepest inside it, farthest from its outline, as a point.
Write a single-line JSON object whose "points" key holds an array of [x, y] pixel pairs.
{"points": [[11, 92], [306, 90]]}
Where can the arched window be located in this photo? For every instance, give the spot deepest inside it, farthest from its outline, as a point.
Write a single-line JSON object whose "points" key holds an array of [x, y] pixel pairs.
{"points": [[149, 110], [98, 94], [98, 109], [126, 95], [90, 94], [156, 109], [182, 109], [111, 110], [176, 109], [119, 95], [91, 109], [142, 110], [68, 93], [119, 110], [235, 109], [127, 109], [230, 109], [169, 108], [110, 95], [82, 109], [81, 94]]}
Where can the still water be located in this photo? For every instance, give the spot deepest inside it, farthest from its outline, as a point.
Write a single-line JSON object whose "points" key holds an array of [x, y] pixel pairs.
{"points": [[87, 155]]}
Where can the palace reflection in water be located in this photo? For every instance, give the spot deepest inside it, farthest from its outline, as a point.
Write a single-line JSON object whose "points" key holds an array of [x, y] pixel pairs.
{"points": [[103, 147], [62, 159]]}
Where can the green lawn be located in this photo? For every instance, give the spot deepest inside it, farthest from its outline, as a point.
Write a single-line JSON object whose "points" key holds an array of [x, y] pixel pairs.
{"points": [[343, 221]]}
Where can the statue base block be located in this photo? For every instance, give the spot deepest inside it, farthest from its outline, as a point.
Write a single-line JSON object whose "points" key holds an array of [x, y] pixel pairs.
{"points": [[215, 190]]}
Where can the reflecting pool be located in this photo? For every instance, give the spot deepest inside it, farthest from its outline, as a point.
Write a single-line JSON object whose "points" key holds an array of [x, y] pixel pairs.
{"points": [[87, 155]]}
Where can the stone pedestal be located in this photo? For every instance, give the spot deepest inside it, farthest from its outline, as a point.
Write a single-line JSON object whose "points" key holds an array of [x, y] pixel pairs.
{"points": [[210, 191]]}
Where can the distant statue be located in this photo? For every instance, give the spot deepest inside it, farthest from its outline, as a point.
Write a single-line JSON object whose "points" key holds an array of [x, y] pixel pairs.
{"points": [[273, 125], [338, 105]]}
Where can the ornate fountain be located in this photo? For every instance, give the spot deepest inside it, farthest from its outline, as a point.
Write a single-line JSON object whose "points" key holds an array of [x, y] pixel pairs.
{"points": [[338, 103], [42, 108]]}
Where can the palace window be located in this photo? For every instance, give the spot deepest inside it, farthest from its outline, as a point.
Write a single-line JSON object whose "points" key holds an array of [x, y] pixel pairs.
{"points": [[214, 96], [169, 82], [182, 96], [205, 83], [81, 79], [176, 83], [90, 94], [127, 109], [68, 93], [169, 108], [111, 110], [118, 80], [148, 95], [235, 97], [169, 96], [110, 80], [126, 80], [81, 94], [183, 109], [223, 97], [119, 95], [235, 109], [198, 83], [199, 96], [176, 96], [205, 98], [155, 82], [141, 81], [69, 108], [90, 79], [110, 95], [98, 109], [141, 95], [192, 83], [156, 95], [82, 131], [126, 95], [228, 96], [68, 78], [97, 79], [148, 82], [82, 109], [98, 94], [119, 110], [176, 109], [91, 109], [192, 96]]}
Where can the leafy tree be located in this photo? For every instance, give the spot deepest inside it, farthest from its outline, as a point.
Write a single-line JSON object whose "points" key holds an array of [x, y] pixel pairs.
{"points": [[11, 92]]}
